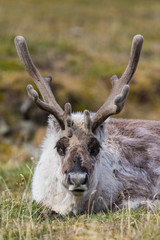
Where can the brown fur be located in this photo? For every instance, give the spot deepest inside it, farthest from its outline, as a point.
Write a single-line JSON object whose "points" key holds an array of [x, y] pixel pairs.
{"points": [[139, 144], [68, 162]]}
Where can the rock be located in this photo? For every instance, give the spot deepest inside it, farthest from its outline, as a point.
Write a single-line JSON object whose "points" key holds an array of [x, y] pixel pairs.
{"points": [[25, 107], [26, 129], [4, 128]]}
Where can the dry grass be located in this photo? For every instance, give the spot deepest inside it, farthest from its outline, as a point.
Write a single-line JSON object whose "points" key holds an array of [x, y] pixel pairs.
{"points": [[20, 217]]}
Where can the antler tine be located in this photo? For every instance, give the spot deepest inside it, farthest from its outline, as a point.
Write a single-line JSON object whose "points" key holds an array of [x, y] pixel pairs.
{"points": [[137, 43], [87, 121], [43, 84], [120, 88], [68, 119]]}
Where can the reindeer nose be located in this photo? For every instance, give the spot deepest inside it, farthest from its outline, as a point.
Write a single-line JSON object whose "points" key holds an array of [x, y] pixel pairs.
{"points": [[77, 179]]}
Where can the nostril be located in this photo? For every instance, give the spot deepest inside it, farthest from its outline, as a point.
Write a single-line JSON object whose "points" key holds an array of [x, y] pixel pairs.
{"points": [[69, 180], [85, 180]]}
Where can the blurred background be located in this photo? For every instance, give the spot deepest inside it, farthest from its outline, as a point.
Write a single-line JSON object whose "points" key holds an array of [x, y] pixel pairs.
{"points": [[81, 43]]}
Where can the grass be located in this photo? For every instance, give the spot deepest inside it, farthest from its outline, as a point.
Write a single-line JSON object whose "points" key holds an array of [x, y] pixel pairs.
{"points": [[20, 218]]}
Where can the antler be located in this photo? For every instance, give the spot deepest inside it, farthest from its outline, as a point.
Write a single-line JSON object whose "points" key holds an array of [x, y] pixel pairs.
{"points": [[43, 84], [120, 88], [113, 104]]}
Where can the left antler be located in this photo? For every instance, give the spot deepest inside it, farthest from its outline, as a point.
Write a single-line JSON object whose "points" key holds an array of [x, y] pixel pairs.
{"points": [[43, 84], [120, 88]]}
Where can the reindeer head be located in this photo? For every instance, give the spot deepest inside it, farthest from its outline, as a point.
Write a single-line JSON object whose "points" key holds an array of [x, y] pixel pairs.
{"points": [[78, 145], [78, 149]]}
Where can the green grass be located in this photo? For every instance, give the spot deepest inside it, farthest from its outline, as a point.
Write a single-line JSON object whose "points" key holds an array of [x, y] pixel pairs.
{"points": [[20, 218]]}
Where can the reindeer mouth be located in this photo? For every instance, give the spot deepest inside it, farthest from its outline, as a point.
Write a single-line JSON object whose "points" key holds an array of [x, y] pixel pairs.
{"points": [[77, 191]]}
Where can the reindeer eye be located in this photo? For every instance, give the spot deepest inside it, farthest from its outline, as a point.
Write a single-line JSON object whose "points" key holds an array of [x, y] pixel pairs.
{"points": [[61, 150], [61, 146], [93, 147]]}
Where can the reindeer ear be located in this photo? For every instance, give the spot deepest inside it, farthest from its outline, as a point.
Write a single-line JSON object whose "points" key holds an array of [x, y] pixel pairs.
{"points": [[53, 123]]}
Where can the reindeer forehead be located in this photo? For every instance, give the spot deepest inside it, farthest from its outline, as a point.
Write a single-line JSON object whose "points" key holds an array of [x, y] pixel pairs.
{"points": [[78, 138], [77, 130], [80, 134], [79, 144]]}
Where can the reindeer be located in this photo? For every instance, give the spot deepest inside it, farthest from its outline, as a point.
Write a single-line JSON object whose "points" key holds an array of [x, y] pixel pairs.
{"points": [[91, 162]]}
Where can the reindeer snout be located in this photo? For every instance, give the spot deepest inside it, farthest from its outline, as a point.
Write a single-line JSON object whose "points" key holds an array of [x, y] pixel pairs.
{"points": [[77, 179]]}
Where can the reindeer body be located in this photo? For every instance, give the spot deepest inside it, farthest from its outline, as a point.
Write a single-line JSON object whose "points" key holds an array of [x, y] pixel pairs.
{"points": [[128, 166], [91, 162]]}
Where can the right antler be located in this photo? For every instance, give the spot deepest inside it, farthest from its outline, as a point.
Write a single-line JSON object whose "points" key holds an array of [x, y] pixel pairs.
{"points": [[43, 84], [120, 88]]}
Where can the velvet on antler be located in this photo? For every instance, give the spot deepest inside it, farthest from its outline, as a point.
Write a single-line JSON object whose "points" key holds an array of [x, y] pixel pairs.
{"points": [[113, 105]]}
